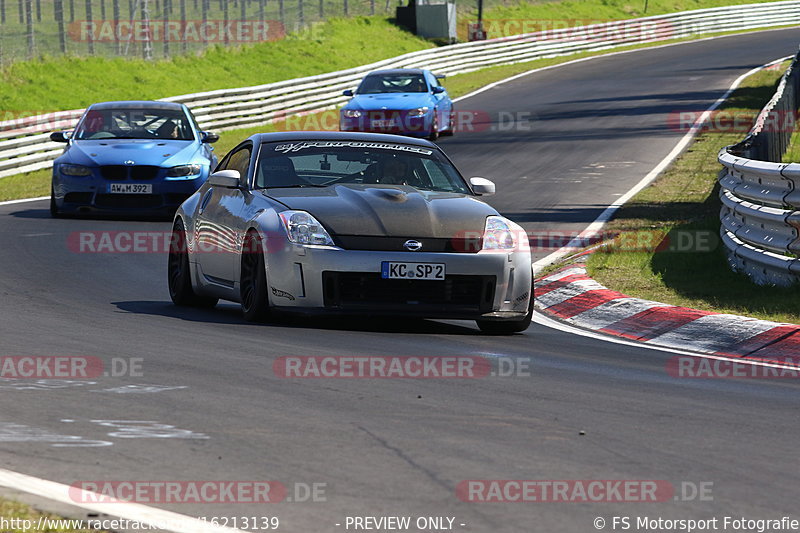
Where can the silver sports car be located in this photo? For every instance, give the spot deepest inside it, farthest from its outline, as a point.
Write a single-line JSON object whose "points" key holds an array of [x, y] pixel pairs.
{"points": [[351, 223]]}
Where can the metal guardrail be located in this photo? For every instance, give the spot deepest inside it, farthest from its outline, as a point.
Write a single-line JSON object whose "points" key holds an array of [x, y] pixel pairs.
{"points": [[25, 147], [760, 214]]}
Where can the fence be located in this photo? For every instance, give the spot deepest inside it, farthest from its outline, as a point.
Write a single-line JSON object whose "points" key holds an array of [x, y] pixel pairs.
{"points": [[760, 212], [24, 144], [135, 28]]}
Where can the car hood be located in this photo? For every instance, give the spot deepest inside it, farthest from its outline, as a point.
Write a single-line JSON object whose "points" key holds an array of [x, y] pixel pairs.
{"points": [[388, 211], [140, 151], [372, 102]]}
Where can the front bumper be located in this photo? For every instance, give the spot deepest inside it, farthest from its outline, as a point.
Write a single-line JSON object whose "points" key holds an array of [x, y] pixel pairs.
{"points": [[483, 285], [393, 123], [91, 194]]}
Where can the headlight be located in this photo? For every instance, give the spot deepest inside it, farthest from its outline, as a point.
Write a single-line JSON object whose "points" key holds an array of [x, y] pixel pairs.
{"points": [[418, 112], [498, 234], [183, 170], [302, 228], [74, 170], [351, 113]]}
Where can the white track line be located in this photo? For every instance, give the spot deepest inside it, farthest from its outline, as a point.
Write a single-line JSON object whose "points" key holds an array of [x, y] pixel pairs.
{"points": [[24, 200], [577, 242], [156, 518], [185, 524], [620, 52]]}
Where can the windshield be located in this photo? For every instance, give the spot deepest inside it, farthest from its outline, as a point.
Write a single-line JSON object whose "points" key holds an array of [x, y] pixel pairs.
{"points": [[124, 123], [393, 83], [325, 163]]}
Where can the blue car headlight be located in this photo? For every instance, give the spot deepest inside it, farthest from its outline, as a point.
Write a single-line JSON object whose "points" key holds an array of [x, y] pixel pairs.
{"points": [[183, 170], [418, 112], [74, 170], [351, 113]]}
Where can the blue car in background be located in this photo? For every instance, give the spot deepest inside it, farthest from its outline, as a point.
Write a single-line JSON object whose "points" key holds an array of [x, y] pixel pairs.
{"points": [[131, 158], [401, 101]]}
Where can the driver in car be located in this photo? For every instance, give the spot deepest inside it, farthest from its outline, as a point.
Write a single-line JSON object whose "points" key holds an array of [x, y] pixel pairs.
{"points": [[394, 172]]}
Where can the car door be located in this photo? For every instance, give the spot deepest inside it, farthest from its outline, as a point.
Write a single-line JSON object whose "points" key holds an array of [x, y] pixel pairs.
{"points": [[218, 222]]}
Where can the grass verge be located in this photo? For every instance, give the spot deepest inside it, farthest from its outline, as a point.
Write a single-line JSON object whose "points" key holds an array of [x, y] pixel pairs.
{"points": [[683, 205], [37, 86], [17, 513], [36, 184]]}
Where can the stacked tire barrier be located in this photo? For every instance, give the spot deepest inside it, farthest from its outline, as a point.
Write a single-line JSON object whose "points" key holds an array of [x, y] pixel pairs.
{"points": [[25, 146], [760, 212]]}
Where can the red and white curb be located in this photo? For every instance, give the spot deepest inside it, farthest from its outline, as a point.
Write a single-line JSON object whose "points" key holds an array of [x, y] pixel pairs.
{"points": [[571, 296]]}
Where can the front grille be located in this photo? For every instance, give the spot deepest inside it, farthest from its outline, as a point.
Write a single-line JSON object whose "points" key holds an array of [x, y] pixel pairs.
{"points": [[114, 172], [78, 197], [395, 244], [140, 173], [367, 290], [128, 200], [122, 173]]}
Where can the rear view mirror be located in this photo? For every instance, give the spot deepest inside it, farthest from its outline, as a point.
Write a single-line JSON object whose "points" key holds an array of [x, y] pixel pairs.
{"points": [[437, 90], [348, 92], [228, 179], [482, 186], [60, 136]]}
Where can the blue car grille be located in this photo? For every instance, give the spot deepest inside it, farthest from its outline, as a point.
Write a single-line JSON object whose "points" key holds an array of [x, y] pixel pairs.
{"points": [[124, 173]]}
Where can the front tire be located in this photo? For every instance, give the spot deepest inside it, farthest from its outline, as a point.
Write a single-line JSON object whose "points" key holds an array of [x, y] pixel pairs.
{"points": [[54, 212], [450, 131], [180, 279], [434, 133], [253, 286]]}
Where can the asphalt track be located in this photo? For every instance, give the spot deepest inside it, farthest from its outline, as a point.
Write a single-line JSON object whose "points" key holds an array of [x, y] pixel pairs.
{"points": [[588, 410]]}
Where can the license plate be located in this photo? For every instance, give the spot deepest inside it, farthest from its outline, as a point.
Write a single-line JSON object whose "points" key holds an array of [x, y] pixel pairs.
{"points": [[130, 188], [383, 123], [424, 271]]}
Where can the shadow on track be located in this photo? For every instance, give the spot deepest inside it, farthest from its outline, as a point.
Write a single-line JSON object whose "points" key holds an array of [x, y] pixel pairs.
{"points": [[231, 314]]}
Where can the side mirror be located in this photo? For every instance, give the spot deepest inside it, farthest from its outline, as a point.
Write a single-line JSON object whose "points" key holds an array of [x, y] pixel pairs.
{"points": [[437, 90], [347, 92], [60, 136], [210, 137], [228, 179], [482, 186]]}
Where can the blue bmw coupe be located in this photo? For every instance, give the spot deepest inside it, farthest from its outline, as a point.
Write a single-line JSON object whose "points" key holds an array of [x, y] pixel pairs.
{"points": [[402, 101], [131, 158]]}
